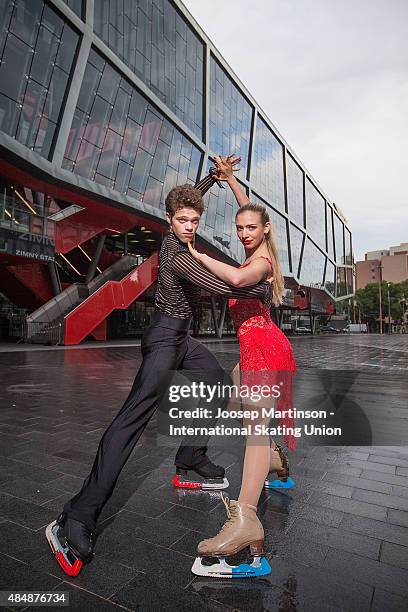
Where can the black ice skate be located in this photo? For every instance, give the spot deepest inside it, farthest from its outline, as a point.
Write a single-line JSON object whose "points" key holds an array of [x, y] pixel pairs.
{"points": [[211, 477], [71, 542]]}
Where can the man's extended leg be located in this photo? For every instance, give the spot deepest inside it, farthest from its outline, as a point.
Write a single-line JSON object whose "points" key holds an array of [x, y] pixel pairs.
{"points": [[71, 535], [162, 348], [204, 367]]}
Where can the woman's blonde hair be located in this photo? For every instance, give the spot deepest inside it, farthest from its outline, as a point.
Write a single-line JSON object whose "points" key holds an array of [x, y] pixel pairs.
{"points": [[278, 280]]}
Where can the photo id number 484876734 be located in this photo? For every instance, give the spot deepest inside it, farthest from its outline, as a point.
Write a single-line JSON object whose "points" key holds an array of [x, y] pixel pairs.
{"points": [[37, 598]]}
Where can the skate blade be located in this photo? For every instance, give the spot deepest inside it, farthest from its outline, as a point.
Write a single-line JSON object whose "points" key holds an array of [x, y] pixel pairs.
{"points": [[64, 556], [205, 485], [279, 484], [259, 567]]}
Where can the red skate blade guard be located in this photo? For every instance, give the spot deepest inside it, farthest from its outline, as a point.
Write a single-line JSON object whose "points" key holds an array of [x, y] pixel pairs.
{"points": [[71, 570], [185, 484]]}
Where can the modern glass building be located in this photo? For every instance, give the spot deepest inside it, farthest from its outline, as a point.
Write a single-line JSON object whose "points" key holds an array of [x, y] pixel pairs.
{"points": [[105, 105]]}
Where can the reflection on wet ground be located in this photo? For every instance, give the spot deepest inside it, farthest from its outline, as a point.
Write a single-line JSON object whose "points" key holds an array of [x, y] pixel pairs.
{"points": [[338, 541]]}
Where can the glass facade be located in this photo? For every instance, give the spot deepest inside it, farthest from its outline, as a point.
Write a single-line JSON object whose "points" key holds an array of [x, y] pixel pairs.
{"points": [[295, 191], [313, 262], [76, 6], [120, 140], [37, 52], [329, 231], [230, 117], [280, 233], [123, 138], [330, 278], [348, 246], [219, 220], [341, 285], [339, 239], [158, 45], [267, 170], [296, 243], [315, 215]]}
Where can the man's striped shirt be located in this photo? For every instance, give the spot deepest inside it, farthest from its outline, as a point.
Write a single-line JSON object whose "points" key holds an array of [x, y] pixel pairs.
{"points": [[181, 279]]}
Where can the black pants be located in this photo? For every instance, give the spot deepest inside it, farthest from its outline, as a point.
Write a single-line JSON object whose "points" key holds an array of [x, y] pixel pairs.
{"points": [[166, 345]]}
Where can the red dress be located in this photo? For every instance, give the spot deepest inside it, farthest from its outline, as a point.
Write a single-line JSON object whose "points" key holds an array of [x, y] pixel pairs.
{"points": [[266, 356]]}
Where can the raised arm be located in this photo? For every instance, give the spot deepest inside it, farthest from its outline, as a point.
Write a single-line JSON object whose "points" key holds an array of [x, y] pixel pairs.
{"points": [[186, 267], [225, 172], [253, 272]]}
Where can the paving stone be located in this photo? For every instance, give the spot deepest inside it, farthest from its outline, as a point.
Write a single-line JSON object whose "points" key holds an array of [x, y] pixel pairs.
{"points": [[383, 477], [16, 574], [24, 513], [142, 594], [381, 499], [367, 465], [22, 543], [399, 491], [154, 530], [319, 585], [398, 517], [375, 529], [394, 461], [337, 538], [384, 601], [359, 483], [25, 489], [394, 554], [349, 505], [368, 571]]}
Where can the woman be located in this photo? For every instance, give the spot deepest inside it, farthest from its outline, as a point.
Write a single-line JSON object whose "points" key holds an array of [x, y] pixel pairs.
{"points": [[266, 357]]}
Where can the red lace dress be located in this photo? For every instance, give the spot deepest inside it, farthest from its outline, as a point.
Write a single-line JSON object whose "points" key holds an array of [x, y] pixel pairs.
{"points": [[266, 356]]}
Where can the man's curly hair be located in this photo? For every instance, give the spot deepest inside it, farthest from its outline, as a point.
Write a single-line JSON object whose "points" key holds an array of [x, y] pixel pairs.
{"points": [[184, 196]]}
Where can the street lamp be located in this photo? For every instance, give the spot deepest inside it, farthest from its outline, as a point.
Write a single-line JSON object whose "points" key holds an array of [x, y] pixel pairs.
{"points": [[380, 267], [389, 308]]}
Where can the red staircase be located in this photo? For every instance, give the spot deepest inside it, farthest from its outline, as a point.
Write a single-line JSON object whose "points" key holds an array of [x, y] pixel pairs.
{"points": [[90, 313]]}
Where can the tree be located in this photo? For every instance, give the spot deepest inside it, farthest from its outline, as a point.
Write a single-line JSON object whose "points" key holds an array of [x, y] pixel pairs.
{"points": [[367, 300]]}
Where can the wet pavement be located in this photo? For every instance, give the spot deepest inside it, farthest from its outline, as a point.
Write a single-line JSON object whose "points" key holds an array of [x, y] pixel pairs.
{"points": [[338, 541]]}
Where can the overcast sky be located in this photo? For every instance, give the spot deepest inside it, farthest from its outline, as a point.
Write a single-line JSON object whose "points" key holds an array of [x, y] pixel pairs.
{"points": [[332, 76]]}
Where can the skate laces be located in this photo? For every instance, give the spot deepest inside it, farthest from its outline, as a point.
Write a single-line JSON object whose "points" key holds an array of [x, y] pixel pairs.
{"points": [[231, 512]]}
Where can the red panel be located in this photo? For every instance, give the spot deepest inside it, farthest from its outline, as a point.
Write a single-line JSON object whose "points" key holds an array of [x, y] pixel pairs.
{"points": [[35, 277], [107, 258], [16, 292], [99, 333], [112, 295], [301, 302]]}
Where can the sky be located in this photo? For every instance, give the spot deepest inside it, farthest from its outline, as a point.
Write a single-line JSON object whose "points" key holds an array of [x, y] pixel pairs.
{"points": [[332, 76]]}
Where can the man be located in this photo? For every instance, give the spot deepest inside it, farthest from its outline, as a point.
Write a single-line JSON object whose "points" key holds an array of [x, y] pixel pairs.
{"points": [[166, 345]]}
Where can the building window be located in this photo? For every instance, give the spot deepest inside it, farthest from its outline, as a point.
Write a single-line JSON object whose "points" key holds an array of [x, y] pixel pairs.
{"points": [[347, 241], [315, 215], [155, 41], [230, 117], [313, 262], [76, 6], [330, 278], [341, 284], [296, 243], [339, 239], [267, 171], [329, 230], [120, 140], [294, 181], [280, 233], [37, 50]]}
